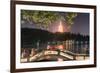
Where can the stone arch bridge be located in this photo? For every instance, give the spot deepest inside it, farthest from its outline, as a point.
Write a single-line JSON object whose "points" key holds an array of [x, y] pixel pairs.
{"points": [[48, 55]]}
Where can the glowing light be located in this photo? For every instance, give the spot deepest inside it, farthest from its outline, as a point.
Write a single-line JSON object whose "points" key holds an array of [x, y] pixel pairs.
{"points": [[60, 60], [60, 47], [60, 28]]}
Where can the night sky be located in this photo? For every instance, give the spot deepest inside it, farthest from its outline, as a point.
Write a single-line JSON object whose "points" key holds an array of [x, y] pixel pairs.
{"points": [[81, 24]]}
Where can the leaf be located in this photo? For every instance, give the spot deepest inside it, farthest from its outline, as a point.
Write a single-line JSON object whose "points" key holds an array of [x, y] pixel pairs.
{"points": [[45, 18]]}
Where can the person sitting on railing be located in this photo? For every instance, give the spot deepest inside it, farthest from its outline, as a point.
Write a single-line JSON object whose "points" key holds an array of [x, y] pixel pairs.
{"points": [[25, 53], [32, 52], [48, 47]]}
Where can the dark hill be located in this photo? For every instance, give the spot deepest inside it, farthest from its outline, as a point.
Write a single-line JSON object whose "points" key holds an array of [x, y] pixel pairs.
{"points": [[35, 35]]}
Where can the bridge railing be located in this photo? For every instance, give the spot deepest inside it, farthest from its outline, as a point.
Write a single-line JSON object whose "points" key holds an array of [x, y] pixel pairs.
{"points": [[78, 47]]}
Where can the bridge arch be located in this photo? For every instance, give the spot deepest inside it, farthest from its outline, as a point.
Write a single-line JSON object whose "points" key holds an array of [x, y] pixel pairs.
{"points": [[47, 54]]}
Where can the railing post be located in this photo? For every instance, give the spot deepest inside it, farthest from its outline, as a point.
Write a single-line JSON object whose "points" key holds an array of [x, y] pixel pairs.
{"points": [[77, 47], [74, 57], [81, 46], [73, 45]]}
